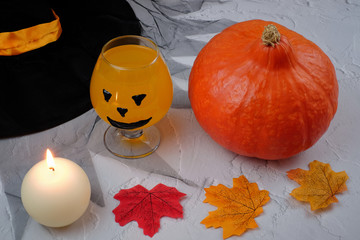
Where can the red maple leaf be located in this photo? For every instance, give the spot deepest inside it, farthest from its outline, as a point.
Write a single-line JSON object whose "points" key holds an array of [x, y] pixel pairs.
{"points": [[147, 207]]}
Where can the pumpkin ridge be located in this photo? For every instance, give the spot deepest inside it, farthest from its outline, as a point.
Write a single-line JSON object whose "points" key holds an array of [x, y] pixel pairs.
{"points": [[305, 118], [265, 110], [248, 97], [275, 111], [310, 139], [319, 86], [324, 58], [304, 113]]}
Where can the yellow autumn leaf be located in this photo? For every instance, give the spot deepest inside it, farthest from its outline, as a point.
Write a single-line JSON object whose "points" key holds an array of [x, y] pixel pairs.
{"points": [[237, 206], [318, 185]]}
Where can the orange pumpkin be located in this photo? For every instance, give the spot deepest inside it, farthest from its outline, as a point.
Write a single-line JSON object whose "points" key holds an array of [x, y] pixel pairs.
{"points": [[262, 90]]}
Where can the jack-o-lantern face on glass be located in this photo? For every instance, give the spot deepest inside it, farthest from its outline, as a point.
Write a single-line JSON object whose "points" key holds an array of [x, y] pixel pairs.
{"points": [[138, 100], [131, 87], [124, 119]]}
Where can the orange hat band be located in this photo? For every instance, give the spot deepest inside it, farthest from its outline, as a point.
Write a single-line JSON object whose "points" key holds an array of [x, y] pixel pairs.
{"points": [[24, 40]]}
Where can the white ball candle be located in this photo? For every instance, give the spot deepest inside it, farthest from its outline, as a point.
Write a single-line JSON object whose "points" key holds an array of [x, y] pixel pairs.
{"points": [[55, 192]]}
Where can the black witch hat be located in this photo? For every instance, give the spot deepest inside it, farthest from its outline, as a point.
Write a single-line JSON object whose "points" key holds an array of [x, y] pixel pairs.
{"points": [[47, 53]]}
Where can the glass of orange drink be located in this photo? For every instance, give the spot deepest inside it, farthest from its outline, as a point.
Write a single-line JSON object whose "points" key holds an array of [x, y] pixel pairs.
{"points": [[131, 89]]}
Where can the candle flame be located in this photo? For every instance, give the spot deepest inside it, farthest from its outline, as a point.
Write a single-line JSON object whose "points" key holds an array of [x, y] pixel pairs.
{"points": [[50, 160]]}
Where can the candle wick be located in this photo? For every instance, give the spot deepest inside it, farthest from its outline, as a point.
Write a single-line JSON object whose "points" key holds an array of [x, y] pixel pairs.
{"points": [[51, 168]]}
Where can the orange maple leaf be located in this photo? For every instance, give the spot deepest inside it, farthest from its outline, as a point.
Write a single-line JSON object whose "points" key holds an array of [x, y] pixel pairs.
{"points": [[237, 206], [318, 185]]}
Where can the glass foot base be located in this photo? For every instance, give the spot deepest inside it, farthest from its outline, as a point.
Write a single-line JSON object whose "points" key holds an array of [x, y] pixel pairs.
{"points": [[132, 144]]}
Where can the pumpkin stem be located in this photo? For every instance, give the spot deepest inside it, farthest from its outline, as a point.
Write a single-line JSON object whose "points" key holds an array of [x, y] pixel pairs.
{"points": [[271, 35]]}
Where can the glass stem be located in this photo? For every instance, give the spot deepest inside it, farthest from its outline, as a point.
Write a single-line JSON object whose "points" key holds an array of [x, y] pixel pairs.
{"points": [[132, 134]]}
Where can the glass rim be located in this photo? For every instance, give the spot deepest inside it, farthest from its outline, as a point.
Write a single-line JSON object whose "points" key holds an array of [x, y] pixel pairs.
{"points": [[156, 48]]}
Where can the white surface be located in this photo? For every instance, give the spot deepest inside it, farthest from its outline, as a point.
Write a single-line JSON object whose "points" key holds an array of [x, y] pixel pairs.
{"points": [[189, 160]]}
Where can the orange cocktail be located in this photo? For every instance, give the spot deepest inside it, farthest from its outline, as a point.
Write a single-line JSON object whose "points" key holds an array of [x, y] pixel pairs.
{"points": [[131, 89]]}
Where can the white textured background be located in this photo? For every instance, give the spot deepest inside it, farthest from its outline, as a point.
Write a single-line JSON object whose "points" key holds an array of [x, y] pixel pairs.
{"points": [[189, 160]]}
